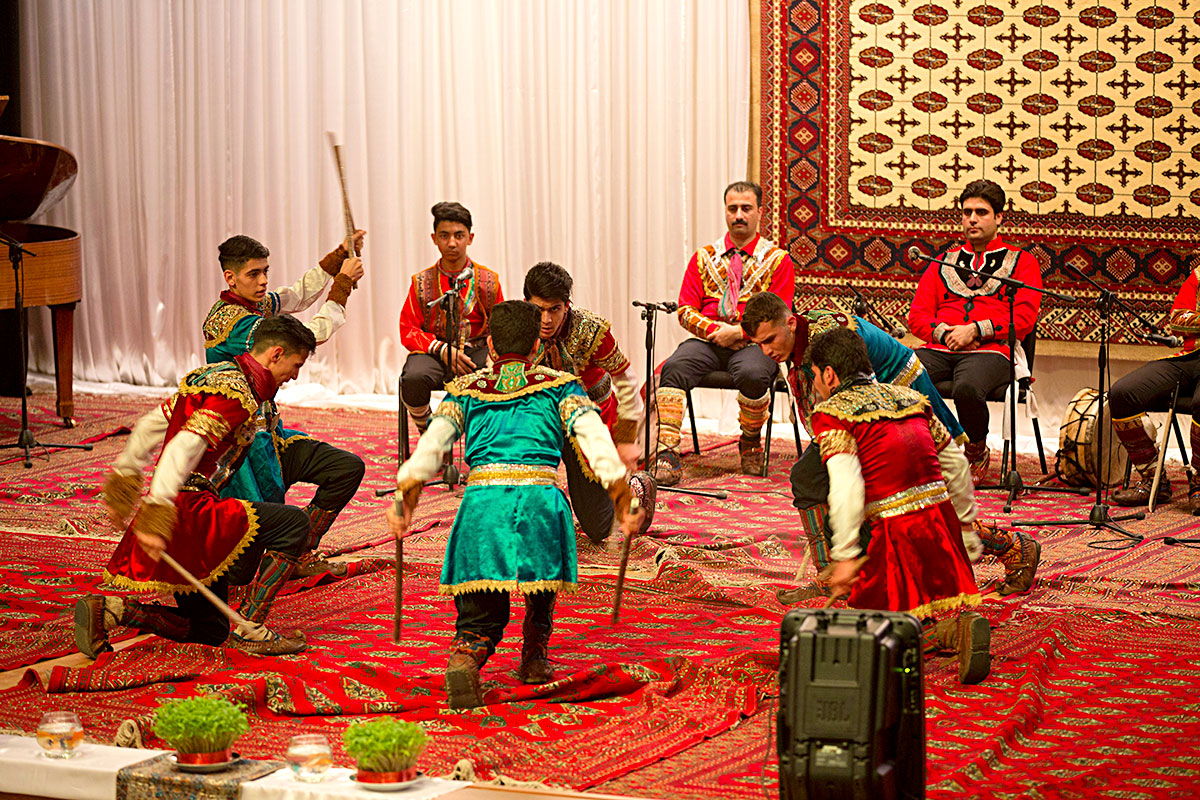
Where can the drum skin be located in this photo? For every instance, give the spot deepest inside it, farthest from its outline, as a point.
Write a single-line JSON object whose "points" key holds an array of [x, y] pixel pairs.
{"points": [[1078, 461]]}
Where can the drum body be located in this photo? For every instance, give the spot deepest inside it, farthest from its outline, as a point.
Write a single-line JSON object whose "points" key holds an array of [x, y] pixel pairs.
{"points": [[1079, 461]]}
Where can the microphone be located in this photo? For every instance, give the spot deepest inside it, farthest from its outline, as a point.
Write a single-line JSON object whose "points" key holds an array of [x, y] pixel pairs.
{"points": [[464, 276], [1162, 338], [666, 305]]}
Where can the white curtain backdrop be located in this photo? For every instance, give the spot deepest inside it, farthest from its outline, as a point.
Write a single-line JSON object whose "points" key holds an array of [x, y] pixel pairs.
{"points": [[594, 133]]}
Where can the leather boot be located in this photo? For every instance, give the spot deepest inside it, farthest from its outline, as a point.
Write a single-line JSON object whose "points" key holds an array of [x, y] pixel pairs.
{"points": [[535, 663], [468, 653], [979, 457], [95, 616], [798, 594], [751, 452], [1020, 564], [970, 635], [256, 639], [153, 618], [310, 564], [1139, 493], [668, 469], [1193, 492]]}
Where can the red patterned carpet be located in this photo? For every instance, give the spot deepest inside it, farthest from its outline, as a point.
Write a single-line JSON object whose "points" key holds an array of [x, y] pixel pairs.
{"points": [[1093, 692]]}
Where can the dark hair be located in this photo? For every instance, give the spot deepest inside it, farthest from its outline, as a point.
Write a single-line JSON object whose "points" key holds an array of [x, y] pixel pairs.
{"points": [[763, 307], [842, 349], [515, 325], [988, 191], [744, 186], [450, 212], [549, 282], [285, 331], [234, 252]]}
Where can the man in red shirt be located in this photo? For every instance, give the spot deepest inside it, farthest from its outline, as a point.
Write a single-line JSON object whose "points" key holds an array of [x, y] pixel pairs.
{"points": [[719, 279], [437, 354], [964, 319]]}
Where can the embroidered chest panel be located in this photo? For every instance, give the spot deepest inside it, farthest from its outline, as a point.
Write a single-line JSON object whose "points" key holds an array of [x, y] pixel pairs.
{"points": [[509, 380], [223, 316], [757, 270], [873, 401], [1001, 262]]}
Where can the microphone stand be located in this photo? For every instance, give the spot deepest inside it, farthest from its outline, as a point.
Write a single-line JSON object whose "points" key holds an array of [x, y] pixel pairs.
{"points": [[1099, 516], [649, 310], [863, 308], [1011, 482], [25, 439]]}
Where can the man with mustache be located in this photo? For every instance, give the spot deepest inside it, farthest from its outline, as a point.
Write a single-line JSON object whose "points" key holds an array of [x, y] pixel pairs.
{"points": [[719, 279]]}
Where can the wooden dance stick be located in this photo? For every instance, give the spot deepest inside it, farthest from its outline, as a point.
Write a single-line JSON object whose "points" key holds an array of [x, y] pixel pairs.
{"points": [[634, 506], [341, 171], [234, 617], [1163, 438], [397, 623]]}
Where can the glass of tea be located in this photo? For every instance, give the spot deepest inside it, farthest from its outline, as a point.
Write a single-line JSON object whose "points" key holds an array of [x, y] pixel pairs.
{"points": [[59, 733], [310, 757]]}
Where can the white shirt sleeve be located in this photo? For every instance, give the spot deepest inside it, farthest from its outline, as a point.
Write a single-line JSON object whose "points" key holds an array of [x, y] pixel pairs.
{"points": [[597, 447], [957, 474], [629, 400], [847, 503], [304, 292], [147, 435], [426, 460], [176, 464], [328, 319]]}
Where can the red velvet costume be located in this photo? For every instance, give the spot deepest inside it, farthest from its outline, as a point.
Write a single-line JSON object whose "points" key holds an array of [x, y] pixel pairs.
{"points": [[219, 403], [768, 269], [423, 329], [916, 560], [946, 297], [1184, 319]]}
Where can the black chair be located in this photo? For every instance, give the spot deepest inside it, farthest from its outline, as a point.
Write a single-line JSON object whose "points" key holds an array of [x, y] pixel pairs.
{"points": [[1029, 345], [719, 379]]}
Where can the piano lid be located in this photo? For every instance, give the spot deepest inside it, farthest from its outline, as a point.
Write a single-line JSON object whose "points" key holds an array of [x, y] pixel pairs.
{"points": [[34, 176]]}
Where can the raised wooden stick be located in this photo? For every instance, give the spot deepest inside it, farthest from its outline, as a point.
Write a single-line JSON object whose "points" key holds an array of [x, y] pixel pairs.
{"points": [[397, 623], [234, 617], [628, 530], [341, 171]]}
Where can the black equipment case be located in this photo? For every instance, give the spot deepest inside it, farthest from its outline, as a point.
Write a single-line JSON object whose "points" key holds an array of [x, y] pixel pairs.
{"points": [[851, 706]]}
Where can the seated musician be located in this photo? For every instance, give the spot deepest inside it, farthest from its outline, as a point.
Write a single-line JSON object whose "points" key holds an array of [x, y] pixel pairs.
{"points": [[1153, 385], [435, 353], [964, 320]]}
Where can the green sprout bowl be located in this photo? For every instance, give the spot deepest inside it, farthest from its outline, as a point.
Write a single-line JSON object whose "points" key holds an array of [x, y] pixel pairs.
{"points": [[201, 729], [385, 749]]}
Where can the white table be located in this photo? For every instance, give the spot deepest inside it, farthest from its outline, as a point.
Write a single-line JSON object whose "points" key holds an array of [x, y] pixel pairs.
{"points": [[337, 784], [90, 774]]}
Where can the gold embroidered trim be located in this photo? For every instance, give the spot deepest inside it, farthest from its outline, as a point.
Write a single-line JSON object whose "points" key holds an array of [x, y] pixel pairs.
{"points": [[121, 492], [834, 442], [615, 363], [584, 467], [452, 410], [946, 604], [1128, 423], [480, 384], [600, 391], [162, 587], [939, 432], [524, 587], [912, 370], [571, 406], [220, 321], [198, 483], [874, 401], [208, 425], [282, 443], [227, 381], [926, 495], [586, 335], [512, 475]]}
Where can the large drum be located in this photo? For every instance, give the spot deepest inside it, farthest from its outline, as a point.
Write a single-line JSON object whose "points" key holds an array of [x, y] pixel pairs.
{"points": [[1079, 461]]}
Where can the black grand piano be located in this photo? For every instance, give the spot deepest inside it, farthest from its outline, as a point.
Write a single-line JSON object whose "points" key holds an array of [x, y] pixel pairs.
{"points": [[34, 176]]}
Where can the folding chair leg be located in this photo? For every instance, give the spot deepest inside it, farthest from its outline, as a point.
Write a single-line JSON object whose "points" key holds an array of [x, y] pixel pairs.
{"points": [[692, 421], [1037, 437], [1128, 473], [402, 427]]}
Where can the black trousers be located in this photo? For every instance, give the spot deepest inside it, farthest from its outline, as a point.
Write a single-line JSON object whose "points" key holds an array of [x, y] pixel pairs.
{"points": [[282, 529], [1153, 384], [589, 500], [423, 374], [975, 376], [753, 371], [810, 487], [335, 472], [486, 613]]}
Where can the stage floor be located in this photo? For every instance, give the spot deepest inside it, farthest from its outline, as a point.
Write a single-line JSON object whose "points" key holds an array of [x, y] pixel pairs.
{"points": [[1093, 692]]}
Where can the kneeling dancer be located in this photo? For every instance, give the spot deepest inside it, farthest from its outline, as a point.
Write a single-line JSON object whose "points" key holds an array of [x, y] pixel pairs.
{"points": [[513, 530], [206, 429], [887, 455]]}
